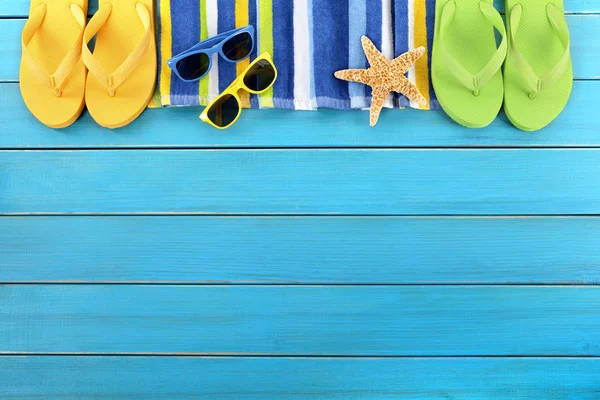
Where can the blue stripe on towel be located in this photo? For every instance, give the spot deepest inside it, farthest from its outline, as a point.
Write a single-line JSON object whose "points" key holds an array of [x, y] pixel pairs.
{"points": [[226, 22], [283, 49], [374, 17], [430, 25], [374, 22], [159, 56], [401, 35], [357, 59], [330, 41], [185, 28], [252, 20]]}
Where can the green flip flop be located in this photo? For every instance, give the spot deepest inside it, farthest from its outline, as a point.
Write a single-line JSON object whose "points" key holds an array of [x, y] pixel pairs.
{"points": [[466, 64], [538, 74]]}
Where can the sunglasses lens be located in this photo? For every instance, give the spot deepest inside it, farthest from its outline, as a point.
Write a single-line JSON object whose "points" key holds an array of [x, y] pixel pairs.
{"points": [[260, 76], [238, 47], [224, 111], [193, 66]]}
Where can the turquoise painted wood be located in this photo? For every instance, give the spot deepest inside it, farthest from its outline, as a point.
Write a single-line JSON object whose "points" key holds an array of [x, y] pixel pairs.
{"points": [[167, 378], [301, 320], [584, 30], [180, 128], [413, 273], [375, 182], [571, 6], [20, 8], [300, 250]]}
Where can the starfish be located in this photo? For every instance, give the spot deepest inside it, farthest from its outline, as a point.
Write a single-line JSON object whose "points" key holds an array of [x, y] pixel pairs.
{"points": [[385, 76]]}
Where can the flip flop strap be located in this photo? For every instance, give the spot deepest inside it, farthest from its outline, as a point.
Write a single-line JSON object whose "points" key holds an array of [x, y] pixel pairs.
{"points": [[466, 78], [537, 84], [56, 80], [112, 81]]}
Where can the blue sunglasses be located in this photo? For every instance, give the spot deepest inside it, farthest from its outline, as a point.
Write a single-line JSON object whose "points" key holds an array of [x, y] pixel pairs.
{"points": [[195, 62]]}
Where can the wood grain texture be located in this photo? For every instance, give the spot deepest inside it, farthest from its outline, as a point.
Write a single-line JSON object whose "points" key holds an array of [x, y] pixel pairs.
{"points": [[374, 250], [571, 6], [376, 182], [20, 8], [341, 318], [284, 128], [167, 378], [301, 320], [584, 31]]}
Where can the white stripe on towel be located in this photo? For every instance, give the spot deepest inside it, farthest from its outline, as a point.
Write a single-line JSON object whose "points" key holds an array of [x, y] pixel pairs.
{"points": [[412, 77], [302, 66]]}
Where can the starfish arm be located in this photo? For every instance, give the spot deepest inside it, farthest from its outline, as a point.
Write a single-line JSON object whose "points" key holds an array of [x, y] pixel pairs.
{"points": [[406, 60], [409, 90], [353, 75], [374, 56], [379, 96]]}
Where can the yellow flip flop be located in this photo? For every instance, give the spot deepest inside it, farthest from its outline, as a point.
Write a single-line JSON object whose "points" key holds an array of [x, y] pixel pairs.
{"points": [[52, 75], [122, 69]]}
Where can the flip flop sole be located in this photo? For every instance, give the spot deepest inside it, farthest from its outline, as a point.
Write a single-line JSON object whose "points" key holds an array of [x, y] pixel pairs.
{"points": [[115, 41], [471, 40], [48, 47], [540, 46]]}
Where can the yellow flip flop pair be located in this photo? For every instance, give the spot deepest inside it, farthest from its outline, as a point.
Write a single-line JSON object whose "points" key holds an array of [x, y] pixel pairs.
{"points": [[54, 81]]}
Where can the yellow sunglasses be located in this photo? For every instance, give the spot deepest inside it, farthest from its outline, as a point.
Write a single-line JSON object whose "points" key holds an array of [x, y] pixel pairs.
{"points": [[259, 76]]}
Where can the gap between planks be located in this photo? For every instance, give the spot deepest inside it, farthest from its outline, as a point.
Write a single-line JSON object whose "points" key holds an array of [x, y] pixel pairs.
{"points": [[279, 356], [286, 284], [133, 147]]}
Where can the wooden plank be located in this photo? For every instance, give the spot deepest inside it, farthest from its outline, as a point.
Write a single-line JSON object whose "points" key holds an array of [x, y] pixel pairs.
{"points": [[586, 59], [10, 49], [571, 6], [357, 182], [304, 250], [20, 8], [578, 125], [301, 320], [166, 378], [584, 29]]}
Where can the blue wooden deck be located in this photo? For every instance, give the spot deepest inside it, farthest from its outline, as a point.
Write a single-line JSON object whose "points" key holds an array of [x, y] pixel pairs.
{"points": [[301, 255]]}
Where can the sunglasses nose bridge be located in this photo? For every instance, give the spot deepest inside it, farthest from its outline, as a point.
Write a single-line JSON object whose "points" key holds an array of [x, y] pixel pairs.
{"points": [[239, 85]]}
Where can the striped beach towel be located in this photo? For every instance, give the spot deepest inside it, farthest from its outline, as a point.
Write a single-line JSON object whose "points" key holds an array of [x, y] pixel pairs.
{"points": [[308, 39]]}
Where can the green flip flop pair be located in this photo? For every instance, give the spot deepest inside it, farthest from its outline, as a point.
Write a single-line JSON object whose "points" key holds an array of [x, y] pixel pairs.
{"points": [[467, 63]]}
